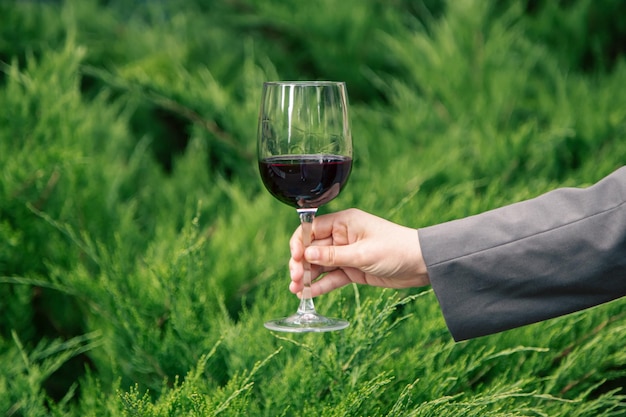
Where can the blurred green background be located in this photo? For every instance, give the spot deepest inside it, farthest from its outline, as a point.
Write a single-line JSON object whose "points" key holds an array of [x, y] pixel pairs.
{"points": [[140, 254]]}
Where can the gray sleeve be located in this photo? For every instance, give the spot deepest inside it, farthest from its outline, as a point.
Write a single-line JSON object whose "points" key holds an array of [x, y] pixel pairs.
{"points": [[555, 254]]}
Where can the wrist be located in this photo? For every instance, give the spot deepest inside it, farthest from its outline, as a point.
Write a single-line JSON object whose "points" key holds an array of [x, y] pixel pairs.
{"points": [[420, 265]]}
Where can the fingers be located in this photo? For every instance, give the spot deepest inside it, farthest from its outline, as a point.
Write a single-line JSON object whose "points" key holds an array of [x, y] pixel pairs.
{"points": [[296, 271], [331, 281], [322, 232], [323, 226], [327, 250], [295, 244], [334, 256], [329, 229]]}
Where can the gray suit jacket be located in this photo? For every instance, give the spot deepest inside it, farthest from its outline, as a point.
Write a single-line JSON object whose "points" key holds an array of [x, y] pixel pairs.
{"points": [[555, 254]]}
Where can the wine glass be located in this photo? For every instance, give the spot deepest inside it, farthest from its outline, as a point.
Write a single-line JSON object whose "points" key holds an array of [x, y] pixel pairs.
{"points": [[305, 157]]}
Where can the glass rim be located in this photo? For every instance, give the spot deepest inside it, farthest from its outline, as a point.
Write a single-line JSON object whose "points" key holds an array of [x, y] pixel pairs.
{"points": [[304, 83]]}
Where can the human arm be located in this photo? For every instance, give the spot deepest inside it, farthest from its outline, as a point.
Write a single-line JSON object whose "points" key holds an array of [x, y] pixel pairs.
{"points": [[530, 261], [558, 253]]}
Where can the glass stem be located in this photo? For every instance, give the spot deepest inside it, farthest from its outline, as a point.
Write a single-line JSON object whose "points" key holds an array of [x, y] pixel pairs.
{"points": [[306, 220]]}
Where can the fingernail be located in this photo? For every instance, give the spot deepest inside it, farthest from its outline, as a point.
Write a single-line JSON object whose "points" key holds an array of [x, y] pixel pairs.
{"points": [[312, 254]]}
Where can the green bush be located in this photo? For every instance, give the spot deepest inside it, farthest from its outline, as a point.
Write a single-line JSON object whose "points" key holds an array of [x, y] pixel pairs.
{"points": [[140, 255]]}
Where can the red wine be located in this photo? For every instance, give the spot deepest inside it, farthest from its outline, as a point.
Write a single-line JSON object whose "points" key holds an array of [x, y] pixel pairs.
{"points": [[305, 181]]}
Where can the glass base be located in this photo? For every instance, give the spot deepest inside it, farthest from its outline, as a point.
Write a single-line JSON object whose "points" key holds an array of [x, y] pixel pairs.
{"points": [[306, 322]]}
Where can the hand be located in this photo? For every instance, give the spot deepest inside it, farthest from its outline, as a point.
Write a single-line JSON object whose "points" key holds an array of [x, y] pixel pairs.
{"points": [[352, 246]]}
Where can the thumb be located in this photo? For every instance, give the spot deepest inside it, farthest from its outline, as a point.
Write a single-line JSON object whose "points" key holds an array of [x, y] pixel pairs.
{"points": [[336, 256]]}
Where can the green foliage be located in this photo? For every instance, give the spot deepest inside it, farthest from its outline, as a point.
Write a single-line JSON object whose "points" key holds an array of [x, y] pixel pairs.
{"points": [[139, 255]]}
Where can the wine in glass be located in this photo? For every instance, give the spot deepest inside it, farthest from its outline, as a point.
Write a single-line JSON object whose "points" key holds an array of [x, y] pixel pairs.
{"points": [[305, 157]]}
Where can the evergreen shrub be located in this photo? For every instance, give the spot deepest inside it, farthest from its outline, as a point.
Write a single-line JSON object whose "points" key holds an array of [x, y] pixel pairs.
{"points": [[140, 255]]}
